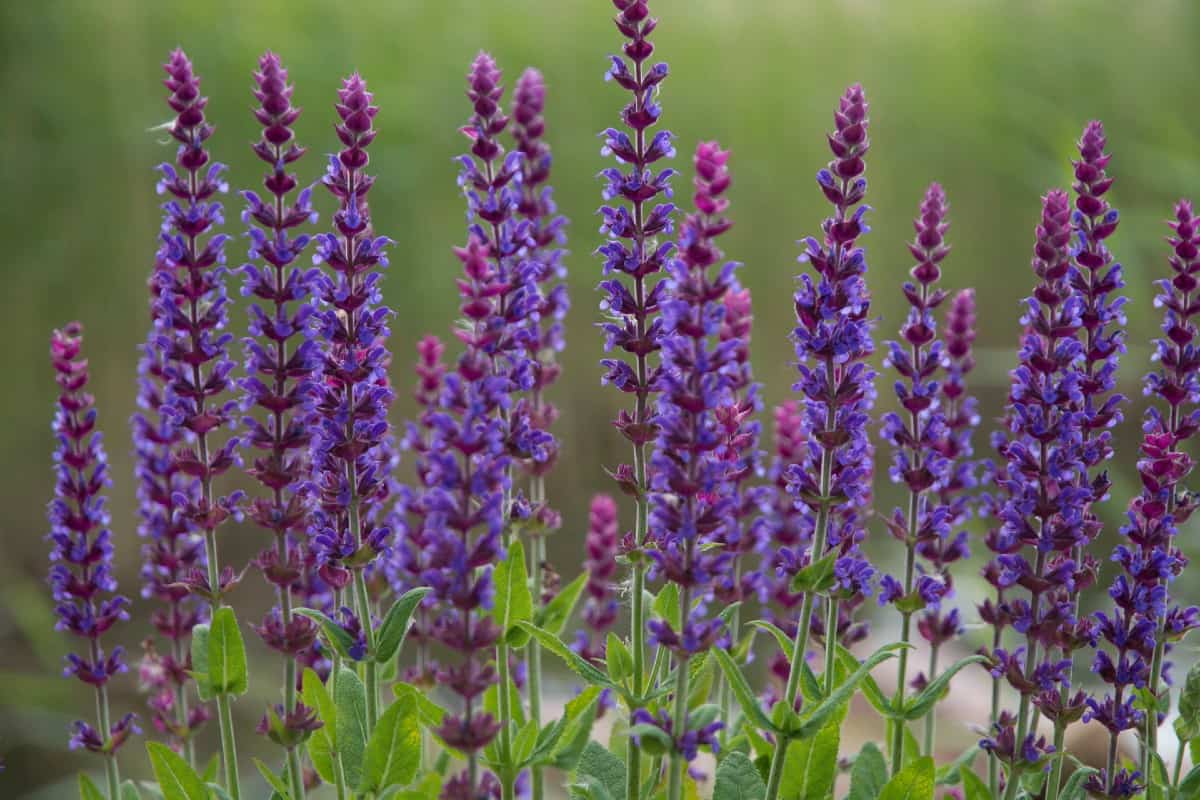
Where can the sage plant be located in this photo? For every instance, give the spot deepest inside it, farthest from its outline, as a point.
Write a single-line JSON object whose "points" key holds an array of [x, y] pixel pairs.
{"points": [[81, 574], [191, 318], [636, 213], [279, 358]]}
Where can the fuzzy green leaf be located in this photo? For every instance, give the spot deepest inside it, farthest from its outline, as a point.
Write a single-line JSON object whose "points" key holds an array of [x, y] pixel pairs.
{"points": [[597, 763], [870, 688], [350, 696], [200, 661], [176, 779], [1074, 790], [914, 782], [1187, 724], [738, 779], [815, 719], [513, 601], [579, 665], [810, 765], [869, 774], [88, 790], [818, 576], [281, 788], [576, 731], [395, 625], [323, 743], [555, 615], [394, 750], [617, 658], [742, 692], [334, 635], [227, 672], [975, 789], [666, 605]]}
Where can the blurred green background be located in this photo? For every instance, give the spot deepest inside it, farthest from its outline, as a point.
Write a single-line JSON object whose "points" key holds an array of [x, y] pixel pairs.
{"points": [[986, 96]]}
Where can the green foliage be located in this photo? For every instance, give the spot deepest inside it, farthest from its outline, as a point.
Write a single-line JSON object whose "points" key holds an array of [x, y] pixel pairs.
{"points": [[666, 605], [513, 602], [553, 616], [618, 659], [331, 633], [742, 692], [322, 745], [810, 765], [394, 750], [1074, 788], [818, 576], [274, 781], [200, 661], [923, 703], [89, 790], [579, 665], [914, 782], [176, 779], [394, 627], [1187, 724], [974, 787], [599, 775], [738, 779], [869, 774], [350, 697], [227, 673]]}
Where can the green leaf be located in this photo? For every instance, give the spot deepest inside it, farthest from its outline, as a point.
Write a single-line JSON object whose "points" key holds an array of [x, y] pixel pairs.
{"points": [[226, 654], [869, 774], [553, 617], [176, 779], [351, 699], [738, 779], [281, 788], [1074, 790], [782, 639], [975, 789], [951, 774], [1187, 724], [394, 751], [617, 658], [914, 782], [218, 791], [701, 676], [200, 661], [666, 605], [88, 790], [335, 636], [924, 702], [1189, 787], [579, 665], [576, 732], [654, 740], [745, 696], [129, 791], [211, 768], [815, 720], [870, 688], [605, 768], [395, 624], [818, 576], [810, 765], [513, 601], [323, 743]]}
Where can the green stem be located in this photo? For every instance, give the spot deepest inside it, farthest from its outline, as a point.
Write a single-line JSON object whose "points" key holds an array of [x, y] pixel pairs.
{"points": [[370, 677], [508, 774], [637, 622], [295, 773], [112, 772], [993, 762], [1178, 771], [831, 644], [535, 650], [228, 749], [1031, 657], [181, 709], [931, 719], [679, 720]]}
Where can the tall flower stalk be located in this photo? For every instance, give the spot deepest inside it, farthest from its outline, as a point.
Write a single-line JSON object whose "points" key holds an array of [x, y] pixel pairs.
{"points": [[633, 219], [1155, 517], [1096, 277], [546, 237], [937, 624], [833, 341], [351, 396], [81, 576], [279, 358], [691, 505], [192, 312], [916, 435], [171, 551], [1043, 515]]}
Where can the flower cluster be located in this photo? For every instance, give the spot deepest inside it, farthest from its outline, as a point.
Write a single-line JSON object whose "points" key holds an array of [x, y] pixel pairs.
{"points": [[171, 552], [833, 341], [350, 396], [278, 356], [600, 608], [1043, 515], [1143, 616], [191, 315], [81, 578]]}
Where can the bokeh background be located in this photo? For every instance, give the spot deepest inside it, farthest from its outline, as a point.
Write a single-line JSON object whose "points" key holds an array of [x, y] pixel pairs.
{"points": [[986, 96]]}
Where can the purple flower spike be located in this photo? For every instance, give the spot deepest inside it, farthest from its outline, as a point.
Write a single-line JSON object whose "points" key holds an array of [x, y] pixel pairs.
{"points": [[693, 500], [351, 395], [81, 578], [191, 315], [279, 356], [1043, 514], [833, 341], [1144, 621], [600, 607]]}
